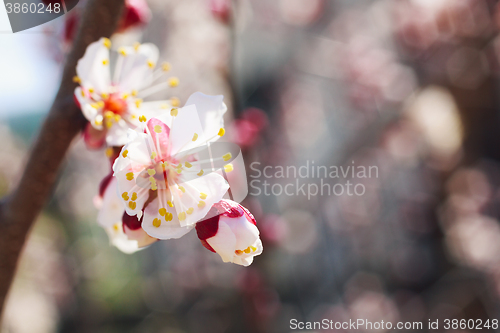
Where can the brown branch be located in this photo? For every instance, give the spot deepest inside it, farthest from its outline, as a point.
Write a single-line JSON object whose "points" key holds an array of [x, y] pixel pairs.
{"points": [[63, 123]]}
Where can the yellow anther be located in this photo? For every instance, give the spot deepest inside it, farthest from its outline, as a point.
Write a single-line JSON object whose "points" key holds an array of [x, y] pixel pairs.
{"points": [[170, 203], [153, 187], [157, 128], [142, 119], [138, 102], [109, 152], [247, 250], [116, 226], [182, 216], [253, 248], [106, 42], [133, 116], [94, 105], [136, 46], [156, 222], [125, 196], [238, 252], [100, 104], [200, 173], [117, 117], [195, 137], [134, 196], [125, 96], [76, 79], [203, 195], [173, 82], [83, 93], [130, 176], [175, 101], [108, 123], [105, 62], [151, 172], [183, 190], [132, 204], [153, 155], [190, 210], [91, 90], [162, 211], [222, 131], [174, 112], [108, 114], [169, 216], [151, 64], [165, 66], [105, 95], [134, 92], [98, 122], [201, 204], [164, 106], [227, 157], [188, 165], [228, 168], [125, 153], [122, 51], [152, 180]]}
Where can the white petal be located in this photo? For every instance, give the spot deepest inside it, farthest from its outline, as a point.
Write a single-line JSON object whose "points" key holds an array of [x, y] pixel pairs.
{"points": [[154, 109], [112, 208], [184, 126], [224, 242], [118, 238], [167, 230], [135, 72], [91, 70], [116, 135], [211, 111], [246, 259], [246, 232], [140, 236]]}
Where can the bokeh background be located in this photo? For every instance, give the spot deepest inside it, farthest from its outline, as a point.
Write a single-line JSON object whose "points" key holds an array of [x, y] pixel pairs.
{"points": [[408, 86]]}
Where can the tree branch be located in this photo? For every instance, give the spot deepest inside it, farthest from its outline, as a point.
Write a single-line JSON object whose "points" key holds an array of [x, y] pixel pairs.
{"points": [[63, 123]]}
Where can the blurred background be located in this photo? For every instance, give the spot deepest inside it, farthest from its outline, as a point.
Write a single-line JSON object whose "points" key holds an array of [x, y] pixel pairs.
{"points": [[407, 86]]}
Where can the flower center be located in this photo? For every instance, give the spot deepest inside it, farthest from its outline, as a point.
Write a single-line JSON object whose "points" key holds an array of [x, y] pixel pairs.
{"points": [[115, 104]]}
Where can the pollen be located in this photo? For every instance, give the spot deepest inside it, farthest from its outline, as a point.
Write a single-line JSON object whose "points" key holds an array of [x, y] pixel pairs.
{"points": [[247, 250], [156, 222], [138, 102], [151, 172], [83, 93], [165, 66], [222, 131], [136, 46], [100, 104], [133, 116], [125, 153], [104, 95], [253, 248], [153, 155], [134, 92], [188, 165], [157, 128], [151, 64], [200, 173], [182, 216], [91, 90], [170, 203], [228, 168], [190, 210], [125, 96], [122, 51], [238, 252], [203, 195], [108, 114], [162, 211], [201, 204], [174, 112], [134, 196], [175, 101], [173, 82], [105, 62], [98, 122], [169, 217], [130, 176], [109, 152], [125, 196], [195, 137], [117, 117], [227, 157], [142, 119], [106, 42], [76, 79], [183, 190], [116, 226]]}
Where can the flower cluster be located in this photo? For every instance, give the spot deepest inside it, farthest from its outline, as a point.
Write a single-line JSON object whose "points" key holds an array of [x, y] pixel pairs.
{"points": [[165, 179]]}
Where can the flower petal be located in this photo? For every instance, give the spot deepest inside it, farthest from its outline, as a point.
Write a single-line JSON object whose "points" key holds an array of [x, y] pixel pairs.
{"points": [[135, 71], [112, 208], [183, 128], [224, 243], [91, 68], [211, 111]]}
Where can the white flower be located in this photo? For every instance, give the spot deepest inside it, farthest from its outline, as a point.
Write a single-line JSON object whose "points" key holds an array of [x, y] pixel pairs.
{"points": [[124, 231], [162, 175], [230, 231], [114, 104]]}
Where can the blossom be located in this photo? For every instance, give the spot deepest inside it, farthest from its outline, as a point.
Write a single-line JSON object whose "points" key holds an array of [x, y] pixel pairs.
{"points": [[112, 105], [231, 232], [164, 177], [136, 13]]}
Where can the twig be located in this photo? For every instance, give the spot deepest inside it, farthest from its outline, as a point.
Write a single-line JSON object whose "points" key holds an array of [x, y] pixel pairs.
{"points": [[63, 123]]}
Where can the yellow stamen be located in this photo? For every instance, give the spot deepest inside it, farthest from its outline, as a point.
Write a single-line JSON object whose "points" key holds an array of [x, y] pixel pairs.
{"points": [[182, 216], [105, 62], [100, 104], [201, 204], [108, 114], [125, 196], [157, 128], [169, 217], [227, 157], [182, 189], [104, 95], [222, 131], [133, 92], [130, 176], [116, 226], [83, 93], [175, 101], [164, 106], [117, 117], [174, 112], [106, 42], [151, 64], [203, 195], [98, 122], [151, 172], [188, 165], [142, 119], [170, 203], [156, 222], [162, 211], [91, 90], [138, 102], [134, 196], [76, 79], [238, 252], [125, 96], [253, 248], [165, 66], [122, 51], [132, 204], [125, 153], [190, 210], [173, 82], [228, 168], [195, 137], [200, 173], [109, 152], [153, 155], [247, 250], [136, 46]]}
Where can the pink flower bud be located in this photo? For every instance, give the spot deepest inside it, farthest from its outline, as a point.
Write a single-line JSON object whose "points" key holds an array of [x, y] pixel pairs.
{"points": [[136, 13], [231, 232]]}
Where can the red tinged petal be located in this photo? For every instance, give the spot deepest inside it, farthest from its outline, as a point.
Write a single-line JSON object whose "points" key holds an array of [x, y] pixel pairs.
{"points": [[132, 222], [136, 13], [104, 184], [229, 208], [207, 246], [160, 133], [209, 227], [94, 138]]}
